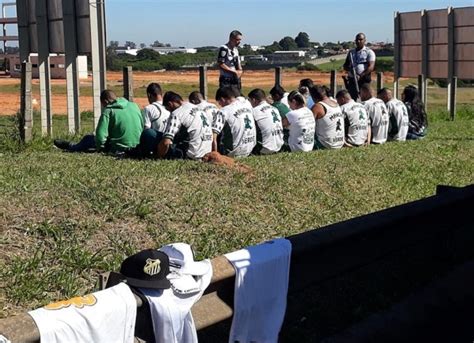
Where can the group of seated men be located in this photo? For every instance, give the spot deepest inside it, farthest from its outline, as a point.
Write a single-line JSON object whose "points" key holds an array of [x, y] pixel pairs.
{"points": [[303, 120]]}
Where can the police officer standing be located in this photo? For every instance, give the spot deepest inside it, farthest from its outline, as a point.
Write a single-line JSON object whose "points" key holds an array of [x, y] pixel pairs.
{"points": [[229, 61], [363, 62]]}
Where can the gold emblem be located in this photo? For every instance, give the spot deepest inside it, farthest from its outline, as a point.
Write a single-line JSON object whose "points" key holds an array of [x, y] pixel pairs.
{"points": [[152, 267], [78, 302]]}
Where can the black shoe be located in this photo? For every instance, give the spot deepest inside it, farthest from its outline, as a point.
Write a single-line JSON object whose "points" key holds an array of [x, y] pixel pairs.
{"points": [[62, 144]]}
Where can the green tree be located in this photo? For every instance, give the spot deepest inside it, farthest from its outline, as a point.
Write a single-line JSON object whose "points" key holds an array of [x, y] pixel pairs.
{"points": [[114, 44], [270, 49], [130, 44], [288, 44], [148, 54], [302, 40]]}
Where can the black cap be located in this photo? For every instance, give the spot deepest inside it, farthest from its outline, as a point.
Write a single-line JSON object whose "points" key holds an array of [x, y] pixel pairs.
{"points": [[147, 269]]}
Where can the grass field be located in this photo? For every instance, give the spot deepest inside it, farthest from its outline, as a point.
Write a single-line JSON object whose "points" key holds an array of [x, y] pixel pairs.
{"points": [[65, 218]]}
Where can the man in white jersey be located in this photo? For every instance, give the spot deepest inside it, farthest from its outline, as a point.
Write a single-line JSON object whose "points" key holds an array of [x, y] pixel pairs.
{"points": [[234, 127], [155, 114], [268, 120], [356, 120], [363, 61], [329, 120], [398, 114], [228, 61], [300, 124], [378, 114], [188, 128], [196, 98]]}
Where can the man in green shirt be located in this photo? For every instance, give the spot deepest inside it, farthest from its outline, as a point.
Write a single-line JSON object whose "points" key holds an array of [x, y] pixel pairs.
{"points": [[277, 94], [119, 128]]}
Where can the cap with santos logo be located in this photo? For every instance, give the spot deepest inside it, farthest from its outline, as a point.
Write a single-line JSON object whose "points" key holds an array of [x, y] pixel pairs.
{"points": [[147, 269]]}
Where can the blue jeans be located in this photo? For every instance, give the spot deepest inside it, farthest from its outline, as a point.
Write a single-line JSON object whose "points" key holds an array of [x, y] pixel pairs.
{"points": [[86, 144], [148, 147]]}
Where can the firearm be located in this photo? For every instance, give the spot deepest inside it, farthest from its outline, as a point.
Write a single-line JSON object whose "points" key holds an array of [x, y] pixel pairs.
{"points": [[354, 74]]}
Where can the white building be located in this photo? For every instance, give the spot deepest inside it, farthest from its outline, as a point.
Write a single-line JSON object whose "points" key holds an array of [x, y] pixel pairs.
{"points": [[165, 50], [57, 66]]}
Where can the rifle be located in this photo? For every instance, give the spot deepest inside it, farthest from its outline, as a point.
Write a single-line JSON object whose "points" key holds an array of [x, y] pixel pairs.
{"points": [[354, 74]]}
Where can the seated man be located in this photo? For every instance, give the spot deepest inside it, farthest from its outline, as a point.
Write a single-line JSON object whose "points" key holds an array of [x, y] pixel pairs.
{"points": [[398, 114], [329, 120], [188, 128], [278, 94], [378, 114], [268, 120], [303, 87], [355, 118], [155, 114], [119, 128], [233, 129], [196, 98]]}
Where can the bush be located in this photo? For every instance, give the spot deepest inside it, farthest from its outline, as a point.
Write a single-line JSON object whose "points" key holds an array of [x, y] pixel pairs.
{"points": [[308, 67]]}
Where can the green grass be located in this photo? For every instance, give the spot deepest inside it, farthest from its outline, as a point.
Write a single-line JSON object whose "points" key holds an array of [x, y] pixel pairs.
{"points": [[337, 64], [67, 217]]}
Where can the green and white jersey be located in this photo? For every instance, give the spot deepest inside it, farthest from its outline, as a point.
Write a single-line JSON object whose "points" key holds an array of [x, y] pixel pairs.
{"points": [[378, 115], [302, 127], [210, 109], [235, 122], [197, 126], [155, 116], [398, 124], [330, 128], [268, 121], [357, 122]]}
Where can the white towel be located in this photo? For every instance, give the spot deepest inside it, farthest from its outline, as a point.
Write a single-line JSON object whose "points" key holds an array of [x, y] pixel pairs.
{"points": [[171, 311], [261, 287], [105, 316]]}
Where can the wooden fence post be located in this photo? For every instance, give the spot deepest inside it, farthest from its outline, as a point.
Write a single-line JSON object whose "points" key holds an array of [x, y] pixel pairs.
{"points": [[26, 106], [203, 81], [128, 83], [379, 81], [278, 76], [333, 82]]}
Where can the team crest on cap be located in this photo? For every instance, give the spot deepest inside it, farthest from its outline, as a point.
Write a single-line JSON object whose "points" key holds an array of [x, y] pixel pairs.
{"points": [[152, 267]]}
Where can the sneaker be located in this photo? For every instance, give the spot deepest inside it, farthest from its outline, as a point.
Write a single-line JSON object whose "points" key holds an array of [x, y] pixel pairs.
{"points": [[62, 144]]}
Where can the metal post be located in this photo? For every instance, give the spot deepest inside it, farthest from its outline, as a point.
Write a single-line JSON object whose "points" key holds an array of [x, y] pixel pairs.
{"points": [[278, 76], [422, 88], [379, 81], [424, 57], [128, 83], [452, 96], [97, 52], [44, 68], [452, 81], [396, 57], [72, 77], [333, 83], [203, 81], [102, 43], [23, 34], [26, 106]]}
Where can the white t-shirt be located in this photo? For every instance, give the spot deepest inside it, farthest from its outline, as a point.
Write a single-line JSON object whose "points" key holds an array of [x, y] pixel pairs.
{"points": [[284, 100], [361, 59], [357, 119], [268, 121], [155, 116], [105, 316], [302, 127], [197, 125], [378, 115], [330, 128], [261, 287], [398, 124], [210, 109], [171, 312], [240, 137]]}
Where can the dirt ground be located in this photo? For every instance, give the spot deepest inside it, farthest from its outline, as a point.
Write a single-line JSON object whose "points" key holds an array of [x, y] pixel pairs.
{"points": [[10, 95]]}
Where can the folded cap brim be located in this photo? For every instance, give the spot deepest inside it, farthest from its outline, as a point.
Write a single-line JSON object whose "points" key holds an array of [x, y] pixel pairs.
{"points": [[195, 268], [183, 284]]}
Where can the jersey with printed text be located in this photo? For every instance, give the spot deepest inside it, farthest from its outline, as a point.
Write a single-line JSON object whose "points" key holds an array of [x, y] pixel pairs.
{"points": [[235, 122], [198, 128], [302, 128], [268, 121], [378, 115], [398, 124], [357, 122], [210, 109], [330, 128]]}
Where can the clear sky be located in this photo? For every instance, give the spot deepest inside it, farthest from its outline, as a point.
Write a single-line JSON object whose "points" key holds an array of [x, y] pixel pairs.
{"points": [[194, 23]]}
